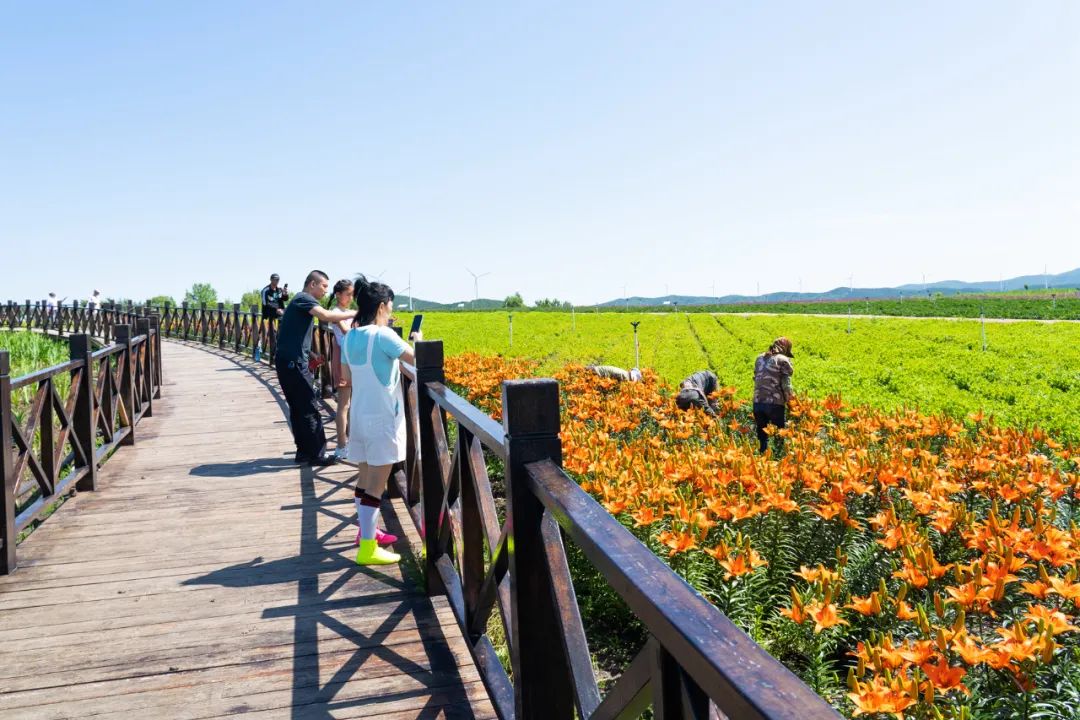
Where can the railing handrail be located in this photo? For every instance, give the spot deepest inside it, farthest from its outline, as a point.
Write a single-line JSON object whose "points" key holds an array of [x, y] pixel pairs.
{"points": [[110, 391], [35, 376], [472, 418]]}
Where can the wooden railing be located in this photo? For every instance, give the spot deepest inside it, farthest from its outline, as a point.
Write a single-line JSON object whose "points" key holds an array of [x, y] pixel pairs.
{"points": [[695, 664], [505, 553], [79, 411]]}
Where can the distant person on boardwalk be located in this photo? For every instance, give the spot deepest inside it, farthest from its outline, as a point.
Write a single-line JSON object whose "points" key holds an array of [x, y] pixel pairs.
{"points": [[294, 375], [273, 305], [616, 373], [95, 301], [772, 388], [51, 302], [343, 297], [695, 390], [374, 352]]}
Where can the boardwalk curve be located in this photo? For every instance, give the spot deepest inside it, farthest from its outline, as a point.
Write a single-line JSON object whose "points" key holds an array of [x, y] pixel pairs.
{"points": [[210, 576]]}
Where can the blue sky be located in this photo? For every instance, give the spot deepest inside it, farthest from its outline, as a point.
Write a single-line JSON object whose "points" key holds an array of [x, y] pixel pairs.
{"points": [[570, 149]]}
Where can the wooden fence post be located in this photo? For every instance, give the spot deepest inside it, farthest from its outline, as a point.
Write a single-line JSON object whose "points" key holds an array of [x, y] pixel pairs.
{"points": [[186, 320], [256, 332], [542, 687], [12, 315], [202, 321], [221, 325], [272, 324], [7, 469], [166, 320], [29, 317], [142, 327], [236, 327], [127, 385], [83, 427], [155, 325], [429, 368]]}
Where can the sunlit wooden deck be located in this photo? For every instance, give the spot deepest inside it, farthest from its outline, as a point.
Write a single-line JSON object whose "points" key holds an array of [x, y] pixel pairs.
{"points": [[210, 576]]}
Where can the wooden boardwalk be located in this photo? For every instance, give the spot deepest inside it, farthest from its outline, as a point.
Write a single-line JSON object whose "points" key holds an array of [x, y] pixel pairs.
{"points": [[210, 576]]}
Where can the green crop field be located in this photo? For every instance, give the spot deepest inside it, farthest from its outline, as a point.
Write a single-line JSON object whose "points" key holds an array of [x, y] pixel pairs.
{"points": [[1029, 373], [1042, 305]]}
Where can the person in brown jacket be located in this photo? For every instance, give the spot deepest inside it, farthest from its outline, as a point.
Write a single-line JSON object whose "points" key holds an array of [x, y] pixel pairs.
{"points": [[772, 388]]}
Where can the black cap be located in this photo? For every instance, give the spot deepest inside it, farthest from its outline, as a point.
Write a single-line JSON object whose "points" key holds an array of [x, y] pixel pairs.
{"points": [[275, 276]]}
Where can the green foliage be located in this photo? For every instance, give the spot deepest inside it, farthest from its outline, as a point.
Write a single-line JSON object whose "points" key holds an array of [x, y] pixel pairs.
{"points": [[161, 300], [551, 304], [251, 297], [31, 351], [514, 301], [201, 293]]}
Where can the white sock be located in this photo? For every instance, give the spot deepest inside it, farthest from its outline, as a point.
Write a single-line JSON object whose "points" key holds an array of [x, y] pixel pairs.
{"points": [[366, 516], [378, 516]]}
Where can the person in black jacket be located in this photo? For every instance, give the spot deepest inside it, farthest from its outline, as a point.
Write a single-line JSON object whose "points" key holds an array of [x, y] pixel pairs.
{"points": [[273, 307]]}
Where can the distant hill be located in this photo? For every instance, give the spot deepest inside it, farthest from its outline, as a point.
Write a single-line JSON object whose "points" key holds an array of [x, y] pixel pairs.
{"points": [[402, 301], [1069, 279]]}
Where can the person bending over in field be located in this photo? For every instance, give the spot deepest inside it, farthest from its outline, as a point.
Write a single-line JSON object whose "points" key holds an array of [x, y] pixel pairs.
{"points": [[772, 388], [374, 352], [343, 295], [695, 390], [616, 373]]}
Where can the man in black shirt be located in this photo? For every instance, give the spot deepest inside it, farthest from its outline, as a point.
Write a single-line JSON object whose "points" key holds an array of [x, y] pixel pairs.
{"points": [[293, 350]]}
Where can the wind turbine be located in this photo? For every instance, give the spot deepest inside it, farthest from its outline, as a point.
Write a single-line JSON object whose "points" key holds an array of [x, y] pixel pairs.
{"points": [[476, 284], [409, 290]]}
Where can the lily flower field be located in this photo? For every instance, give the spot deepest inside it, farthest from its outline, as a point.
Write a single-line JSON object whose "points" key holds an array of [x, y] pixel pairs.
{"points": [[904, 564]]}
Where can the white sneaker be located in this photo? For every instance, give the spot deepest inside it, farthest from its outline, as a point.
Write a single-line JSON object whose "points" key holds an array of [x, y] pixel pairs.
{"points": [[341, 453]]}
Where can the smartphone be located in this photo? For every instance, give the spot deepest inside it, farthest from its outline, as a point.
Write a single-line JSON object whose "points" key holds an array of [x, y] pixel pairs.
{"points": [[417, 321]]}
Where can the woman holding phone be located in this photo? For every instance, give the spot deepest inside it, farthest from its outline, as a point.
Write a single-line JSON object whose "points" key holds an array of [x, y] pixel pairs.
{"points": [[373, 352], [343, 297]]}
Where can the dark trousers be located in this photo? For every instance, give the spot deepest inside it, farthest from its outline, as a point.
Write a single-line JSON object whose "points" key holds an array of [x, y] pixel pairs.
{"points": [[766, 414], [305, 420]]}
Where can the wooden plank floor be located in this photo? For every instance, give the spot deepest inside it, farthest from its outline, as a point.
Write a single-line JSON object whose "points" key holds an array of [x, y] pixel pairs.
{"points": [[209, 576]]}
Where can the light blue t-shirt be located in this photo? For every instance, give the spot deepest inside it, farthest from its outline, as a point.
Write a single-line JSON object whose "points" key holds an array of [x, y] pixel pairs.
{"points": [[388, 348]]}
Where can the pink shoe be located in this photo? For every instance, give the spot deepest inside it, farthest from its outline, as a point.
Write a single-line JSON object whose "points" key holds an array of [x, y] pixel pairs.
{"points": [[382, 538]]}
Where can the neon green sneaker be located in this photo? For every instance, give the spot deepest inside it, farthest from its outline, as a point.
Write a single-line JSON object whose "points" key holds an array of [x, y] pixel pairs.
{"points": [[371, 554]]}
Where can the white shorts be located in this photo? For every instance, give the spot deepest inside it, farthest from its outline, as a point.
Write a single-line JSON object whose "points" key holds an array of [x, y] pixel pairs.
{"points": [[376, 440]]}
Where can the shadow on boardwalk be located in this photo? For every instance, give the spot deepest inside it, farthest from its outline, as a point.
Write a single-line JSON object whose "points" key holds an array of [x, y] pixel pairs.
{"points": [[403, 645]]}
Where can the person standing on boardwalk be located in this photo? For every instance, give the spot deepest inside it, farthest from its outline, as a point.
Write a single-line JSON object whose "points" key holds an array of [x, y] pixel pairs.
{"points": [[296, 379], [273, 306], [695, 390], [94, 301], [772, 388], [343, 297], [374, 352]]}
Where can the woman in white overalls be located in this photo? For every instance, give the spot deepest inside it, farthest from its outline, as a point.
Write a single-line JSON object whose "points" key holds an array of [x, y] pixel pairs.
{"points": [[377, 416]]}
